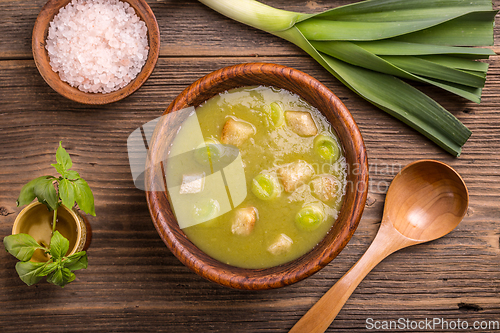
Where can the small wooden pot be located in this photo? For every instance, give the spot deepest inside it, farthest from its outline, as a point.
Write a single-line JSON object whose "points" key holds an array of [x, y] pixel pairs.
{"points": [[316, 94], [42, 60], [36, 221]]}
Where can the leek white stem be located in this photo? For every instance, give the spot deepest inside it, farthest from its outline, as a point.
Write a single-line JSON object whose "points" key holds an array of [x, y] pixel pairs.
{"points": [[256, 14]]}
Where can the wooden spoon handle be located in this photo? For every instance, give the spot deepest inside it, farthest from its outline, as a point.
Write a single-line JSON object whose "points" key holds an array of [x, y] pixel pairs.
{"points": [[321, 315]]}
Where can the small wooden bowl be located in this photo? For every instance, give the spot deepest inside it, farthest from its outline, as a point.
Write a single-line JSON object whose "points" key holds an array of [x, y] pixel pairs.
{"points": [[318, 96], [52, 78]]}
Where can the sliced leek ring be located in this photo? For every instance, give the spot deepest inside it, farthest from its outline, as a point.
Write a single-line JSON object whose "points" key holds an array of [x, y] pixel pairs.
{"points": [[327, 148], [276, 114], [309, 218], [208, 152], [206, 210], [265, 186]]}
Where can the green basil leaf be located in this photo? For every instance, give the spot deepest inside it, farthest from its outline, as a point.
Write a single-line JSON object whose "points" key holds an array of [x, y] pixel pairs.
{"points": [[48, 268], [76, 261], [61, 277], [67, 193], [46, 193], [58, 245], [84, 196], [55, 277], [73, 175], [21, 246], [29, 271], [59, 168], [63, 157], [28, 193]]}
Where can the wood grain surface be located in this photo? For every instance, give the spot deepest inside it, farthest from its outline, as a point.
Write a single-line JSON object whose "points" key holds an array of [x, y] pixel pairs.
{"points": [[134, 284]]}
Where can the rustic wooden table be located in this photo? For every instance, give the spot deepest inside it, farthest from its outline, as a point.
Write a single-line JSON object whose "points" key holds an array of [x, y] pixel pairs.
{"points": [[134, 284]]}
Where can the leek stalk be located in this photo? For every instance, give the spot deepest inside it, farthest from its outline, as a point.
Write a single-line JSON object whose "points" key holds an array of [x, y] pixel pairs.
{"points": [[370, 46]]}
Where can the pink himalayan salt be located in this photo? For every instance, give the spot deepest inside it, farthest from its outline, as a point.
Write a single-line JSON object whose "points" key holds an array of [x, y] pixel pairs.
{"points": [[98, 46]]}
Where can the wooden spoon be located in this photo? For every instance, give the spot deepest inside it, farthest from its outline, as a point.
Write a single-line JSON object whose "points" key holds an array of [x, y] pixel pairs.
{"points": [[425, 201]]}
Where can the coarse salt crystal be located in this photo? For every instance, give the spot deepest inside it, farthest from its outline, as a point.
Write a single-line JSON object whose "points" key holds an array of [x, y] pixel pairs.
{"points": [[98, 46]]}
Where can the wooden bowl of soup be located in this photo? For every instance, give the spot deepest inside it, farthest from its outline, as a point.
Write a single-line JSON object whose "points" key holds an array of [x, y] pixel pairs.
{"points": [[297, 202]]}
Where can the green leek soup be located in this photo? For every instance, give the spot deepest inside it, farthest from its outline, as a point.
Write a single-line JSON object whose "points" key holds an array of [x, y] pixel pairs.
{"points": [[290, 162]]}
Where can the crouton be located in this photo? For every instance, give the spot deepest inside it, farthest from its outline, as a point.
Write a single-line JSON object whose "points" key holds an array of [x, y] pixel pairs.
{"points": [[192, 183], [325, 187], [236, 132], [281, 246], [295, 174], [244, 221], [301, 123]]}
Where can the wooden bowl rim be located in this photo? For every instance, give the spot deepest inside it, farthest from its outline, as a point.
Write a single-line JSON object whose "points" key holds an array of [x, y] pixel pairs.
{"points": [[41, 57], [277, 276]]}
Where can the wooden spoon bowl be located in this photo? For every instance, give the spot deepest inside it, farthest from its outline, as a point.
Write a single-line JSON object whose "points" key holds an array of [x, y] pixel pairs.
{"points": [[318, 96], [425, 201], [42, 61]]}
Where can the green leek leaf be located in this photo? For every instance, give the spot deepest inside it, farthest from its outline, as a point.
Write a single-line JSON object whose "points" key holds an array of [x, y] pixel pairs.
{"points": [[394, 96], [367, 45], [383, 10], [324, 30], [470, 93], [431, 69], [375, 20], [354, 55], [474, 29], [393, 47], [459, 63], [406, 104]]}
